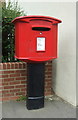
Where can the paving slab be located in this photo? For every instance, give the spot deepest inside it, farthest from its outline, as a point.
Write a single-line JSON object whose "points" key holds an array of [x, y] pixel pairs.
{"points": [[52, 109]]}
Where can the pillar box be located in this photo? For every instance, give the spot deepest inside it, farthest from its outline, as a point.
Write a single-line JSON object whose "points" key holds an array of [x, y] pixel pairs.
{"points": [[35, 43]]}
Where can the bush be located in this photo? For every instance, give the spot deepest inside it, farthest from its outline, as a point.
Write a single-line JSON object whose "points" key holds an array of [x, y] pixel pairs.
{"points": [[9, 12]]}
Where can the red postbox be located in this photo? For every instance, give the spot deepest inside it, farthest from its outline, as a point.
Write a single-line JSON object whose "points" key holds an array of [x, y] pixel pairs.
{"points": [[35, 42], [36, 38]]}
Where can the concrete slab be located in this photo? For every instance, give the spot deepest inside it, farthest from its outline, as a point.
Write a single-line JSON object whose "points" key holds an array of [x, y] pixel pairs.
{"points": [[52, 109]]}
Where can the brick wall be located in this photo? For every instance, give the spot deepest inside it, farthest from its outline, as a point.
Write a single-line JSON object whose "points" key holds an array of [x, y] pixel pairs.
{"points": [[13, 80]]}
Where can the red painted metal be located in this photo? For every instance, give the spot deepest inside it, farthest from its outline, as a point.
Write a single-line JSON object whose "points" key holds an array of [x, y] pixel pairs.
{"points": [[27, 30]]}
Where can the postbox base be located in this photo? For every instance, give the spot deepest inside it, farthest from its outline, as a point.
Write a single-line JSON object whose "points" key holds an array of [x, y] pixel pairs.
{"points": [[35, 85], [35, 103]]}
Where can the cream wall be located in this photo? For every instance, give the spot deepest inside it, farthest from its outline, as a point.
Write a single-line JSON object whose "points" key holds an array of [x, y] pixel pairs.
{"points": [[64, 68]]}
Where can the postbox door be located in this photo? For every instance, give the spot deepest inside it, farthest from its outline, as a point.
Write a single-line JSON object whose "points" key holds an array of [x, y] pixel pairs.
{"points": [[43, 43]]}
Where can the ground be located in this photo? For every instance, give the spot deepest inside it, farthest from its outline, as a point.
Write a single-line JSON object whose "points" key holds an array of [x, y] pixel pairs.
{"points": [[54, 108]]}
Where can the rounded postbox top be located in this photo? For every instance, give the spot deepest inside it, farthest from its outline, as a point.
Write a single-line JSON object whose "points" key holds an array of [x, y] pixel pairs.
{"points": [[35, 17]]}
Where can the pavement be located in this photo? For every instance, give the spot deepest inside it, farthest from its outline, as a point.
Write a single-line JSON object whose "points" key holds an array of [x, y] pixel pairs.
{"points": [[0, 110], [53, 108]]}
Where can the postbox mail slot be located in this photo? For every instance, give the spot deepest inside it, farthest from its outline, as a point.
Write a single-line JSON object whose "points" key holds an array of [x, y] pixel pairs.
{"points": [[41, 28]]}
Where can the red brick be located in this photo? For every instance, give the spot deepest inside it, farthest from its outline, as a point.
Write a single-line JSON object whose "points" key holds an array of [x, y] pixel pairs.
{"points": [[20, 65], [49, 76], [3, 76], [14, 75], [0, 95], [47, 93], [8, 79], [1, 72], [23, 74], [14, 98], [1, 91], [16, 65], [5, 91], [21, 78], [11, 72], [10, 94], [8, 65], [49, 69], [49, 82], [12, 65], [23, 89], [4, 66], [23, 71], [48, 87], [15, 90], [20, 71], [14, 82], [48, 66], [5, 98], [1, 66], [48, 72], [48, 79], [10, 98], [5, 72], [8, 87], [1, 87], [0, 83], [1, 99], [5, 83], [20, 93], [24, 65], [23, 82], [48, 90], [17, 71], [20, 86]]}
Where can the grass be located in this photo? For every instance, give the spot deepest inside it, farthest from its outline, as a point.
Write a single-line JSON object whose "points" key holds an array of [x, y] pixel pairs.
{"points": [[21, 98]]}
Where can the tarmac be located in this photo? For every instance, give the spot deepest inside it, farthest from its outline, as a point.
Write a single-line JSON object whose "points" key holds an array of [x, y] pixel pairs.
{"points": [[53, 108]]}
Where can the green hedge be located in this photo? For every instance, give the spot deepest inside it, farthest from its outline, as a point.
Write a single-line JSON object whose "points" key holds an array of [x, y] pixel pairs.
{"points": [[9, 12]]}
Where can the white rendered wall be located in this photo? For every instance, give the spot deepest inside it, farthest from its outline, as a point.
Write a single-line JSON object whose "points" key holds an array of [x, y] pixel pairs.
{"points": [[64, 67]]}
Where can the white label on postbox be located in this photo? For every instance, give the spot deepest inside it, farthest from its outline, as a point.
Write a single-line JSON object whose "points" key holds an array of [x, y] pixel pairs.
{"points": [[40, 44]]}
